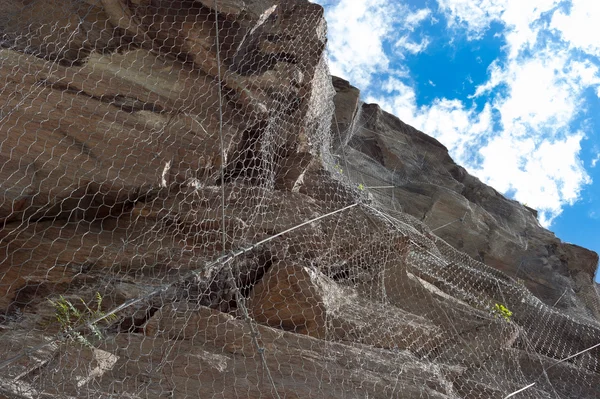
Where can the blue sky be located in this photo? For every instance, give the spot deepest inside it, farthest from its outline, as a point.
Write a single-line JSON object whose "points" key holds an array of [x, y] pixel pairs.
{"points": [[511, 87]]}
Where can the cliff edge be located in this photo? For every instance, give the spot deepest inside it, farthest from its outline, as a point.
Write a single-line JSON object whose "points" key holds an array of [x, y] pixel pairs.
{"points": [[191, 207], [421, 179]]}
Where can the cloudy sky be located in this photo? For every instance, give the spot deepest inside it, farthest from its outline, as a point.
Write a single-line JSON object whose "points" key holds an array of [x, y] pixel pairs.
{"points": [[511, 87]]}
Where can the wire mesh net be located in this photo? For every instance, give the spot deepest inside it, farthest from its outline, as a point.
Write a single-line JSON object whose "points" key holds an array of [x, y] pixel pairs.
{"points": [[180, 219]]}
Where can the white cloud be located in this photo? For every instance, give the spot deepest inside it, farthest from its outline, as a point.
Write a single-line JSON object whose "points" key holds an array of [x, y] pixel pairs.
{"points": [[476, 15], [580, 26], [586, 72], [546, 175], [456, 126], [518, 17], [544, 91], [405, 43], [412, 20], [532, 153], [535, 154], [521, 141], [358, 32], [595, 160], [543, 172]]}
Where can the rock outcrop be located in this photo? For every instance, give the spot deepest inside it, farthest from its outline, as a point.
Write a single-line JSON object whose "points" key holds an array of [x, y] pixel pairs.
{"points": [[422, 180], [286, 298], [190, 208]]}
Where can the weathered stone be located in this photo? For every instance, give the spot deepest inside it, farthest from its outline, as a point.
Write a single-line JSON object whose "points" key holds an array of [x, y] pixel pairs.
{"points": [[79, 133], [217, 337], [288, 298], [422, 180], [184, 174], [229, 7], [346, 100], [66, 33]]}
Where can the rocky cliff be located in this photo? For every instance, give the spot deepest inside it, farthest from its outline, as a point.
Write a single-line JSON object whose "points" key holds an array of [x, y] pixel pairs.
{"points": [[422, 180], [192, 207]]}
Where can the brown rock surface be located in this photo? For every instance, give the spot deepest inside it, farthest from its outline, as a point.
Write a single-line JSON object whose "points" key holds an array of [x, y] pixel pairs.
{"points": [[423, 181], [287, 298], [174, 159]]}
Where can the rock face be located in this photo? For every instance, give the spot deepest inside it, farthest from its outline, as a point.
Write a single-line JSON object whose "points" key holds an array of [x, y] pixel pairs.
{"points": [[190, 208], [422, 180], [286, 298]]}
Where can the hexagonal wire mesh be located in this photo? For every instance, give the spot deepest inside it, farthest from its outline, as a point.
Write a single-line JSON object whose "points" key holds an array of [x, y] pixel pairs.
{"points": [[177, 224]]}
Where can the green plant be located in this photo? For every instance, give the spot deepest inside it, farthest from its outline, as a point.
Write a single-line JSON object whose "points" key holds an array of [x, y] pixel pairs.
{"points": [[361, 187], [500, 310], [72, 320]]}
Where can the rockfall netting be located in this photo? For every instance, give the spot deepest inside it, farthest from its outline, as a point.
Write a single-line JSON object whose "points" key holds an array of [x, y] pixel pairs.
{"points": [[182, 217]]}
